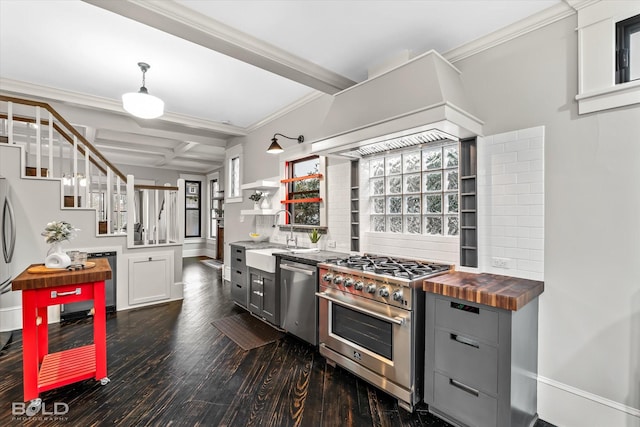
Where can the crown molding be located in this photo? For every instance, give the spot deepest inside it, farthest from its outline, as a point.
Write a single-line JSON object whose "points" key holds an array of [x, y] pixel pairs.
{"points": [[286, 110], [517, 29]]}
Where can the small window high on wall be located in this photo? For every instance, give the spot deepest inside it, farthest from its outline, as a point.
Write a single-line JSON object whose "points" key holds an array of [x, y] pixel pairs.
{"points": [[628, 50], [303, 190]]}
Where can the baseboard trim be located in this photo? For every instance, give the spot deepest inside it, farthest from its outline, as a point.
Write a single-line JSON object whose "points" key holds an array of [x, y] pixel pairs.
{"points": [[590, 396]]}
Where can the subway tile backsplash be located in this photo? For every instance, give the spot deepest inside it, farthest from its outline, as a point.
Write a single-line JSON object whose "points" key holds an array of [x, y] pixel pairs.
{"points": [[511, 202]]}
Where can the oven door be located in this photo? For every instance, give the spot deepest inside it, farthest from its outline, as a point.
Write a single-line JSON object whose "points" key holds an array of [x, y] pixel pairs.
{"points": [[371, 334]]}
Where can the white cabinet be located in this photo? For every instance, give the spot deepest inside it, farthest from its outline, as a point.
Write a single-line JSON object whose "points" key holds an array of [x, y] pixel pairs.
{"points": [[150, 277]]}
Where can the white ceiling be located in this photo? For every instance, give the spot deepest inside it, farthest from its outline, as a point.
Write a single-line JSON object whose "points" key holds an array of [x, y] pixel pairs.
{"points": [[84, 53]]}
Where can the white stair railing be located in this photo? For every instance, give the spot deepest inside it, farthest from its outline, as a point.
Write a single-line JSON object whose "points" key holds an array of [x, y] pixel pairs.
{"points": [[55, 149]]}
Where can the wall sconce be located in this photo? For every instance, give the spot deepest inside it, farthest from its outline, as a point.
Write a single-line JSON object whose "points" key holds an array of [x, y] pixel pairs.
{"points": [[141, 104], [275, 148]]}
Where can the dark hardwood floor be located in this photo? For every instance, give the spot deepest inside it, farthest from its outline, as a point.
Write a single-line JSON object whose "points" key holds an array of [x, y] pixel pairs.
{"points": [[169, 365]]}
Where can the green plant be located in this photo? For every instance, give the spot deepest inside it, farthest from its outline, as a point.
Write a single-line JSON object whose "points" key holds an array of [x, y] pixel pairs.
{"points": [[58, 231], [315, 235], [256, 196]]}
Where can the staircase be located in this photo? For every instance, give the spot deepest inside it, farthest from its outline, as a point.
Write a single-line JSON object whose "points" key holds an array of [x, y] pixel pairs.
{"points": [[52, 148]]}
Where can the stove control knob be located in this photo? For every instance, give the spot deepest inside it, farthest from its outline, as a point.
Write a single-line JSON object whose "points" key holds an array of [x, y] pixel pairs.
{"points": [[359, 285], [348, 282], [337, 280], [383, 292], [397, 296], [328, 277], [371, 288]]}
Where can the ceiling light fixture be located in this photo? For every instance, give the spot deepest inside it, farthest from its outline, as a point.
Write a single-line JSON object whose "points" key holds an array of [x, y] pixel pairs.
{"points": [[275, 148], [141, 104]]}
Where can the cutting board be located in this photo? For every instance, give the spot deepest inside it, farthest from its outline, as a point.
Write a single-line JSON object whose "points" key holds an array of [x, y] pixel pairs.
{"points": [[41, 269]]}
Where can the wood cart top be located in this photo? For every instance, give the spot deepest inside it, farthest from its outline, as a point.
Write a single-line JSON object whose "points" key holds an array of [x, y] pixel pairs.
{"points": [[29, 281], [509, 293]]}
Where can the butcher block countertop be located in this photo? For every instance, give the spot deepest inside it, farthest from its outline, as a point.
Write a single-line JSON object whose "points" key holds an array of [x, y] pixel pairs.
{"points": [[28, 281], [508, 293]]}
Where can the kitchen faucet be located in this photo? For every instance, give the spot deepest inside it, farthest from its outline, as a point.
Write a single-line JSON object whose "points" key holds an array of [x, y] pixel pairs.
{"points": [[291, 238]]}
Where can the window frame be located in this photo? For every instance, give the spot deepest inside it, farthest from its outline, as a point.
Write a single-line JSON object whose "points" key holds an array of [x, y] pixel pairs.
{"points": [[290, 184], [423, 194], [199, 208], [624, 30], [233, 195]]}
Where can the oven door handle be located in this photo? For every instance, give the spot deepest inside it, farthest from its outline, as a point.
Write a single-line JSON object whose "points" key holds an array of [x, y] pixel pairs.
{"points": [[397, 320]]}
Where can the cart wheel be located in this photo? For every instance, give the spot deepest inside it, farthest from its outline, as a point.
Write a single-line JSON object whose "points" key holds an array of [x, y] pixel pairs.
{"points": [[34, 407], [105, 381]]}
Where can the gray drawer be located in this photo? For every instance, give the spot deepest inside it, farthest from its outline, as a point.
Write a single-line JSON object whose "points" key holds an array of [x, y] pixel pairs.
{"points": [[463, 403], [238, 259], [239, 275], [239, 293], [469, 319], [473, 362]]}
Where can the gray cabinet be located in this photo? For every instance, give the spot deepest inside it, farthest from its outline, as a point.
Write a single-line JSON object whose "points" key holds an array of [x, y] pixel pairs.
{"points": [[239, 276], [264, 298], [481, 363]]}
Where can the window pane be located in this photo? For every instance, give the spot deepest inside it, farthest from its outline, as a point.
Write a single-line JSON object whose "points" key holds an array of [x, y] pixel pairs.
{"points": [[412, 224], [433, 225], [450, 157], [394, 185], [377, 205], [411, 162], [433, 181], [412, 183], [452, 180], [377, 186], [376, 167], [394, 224], [452, 202], [306, 213], [377, 224], [453, 226], [412, 204], [394, 205], [432, 159], [394, 165], [234, 177], [192, 225], [634, 56], [433, 203]]}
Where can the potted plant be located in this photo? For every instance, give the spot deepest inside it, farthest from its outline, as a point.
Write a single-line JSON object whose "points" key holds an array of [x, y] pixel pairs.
{"points": [[255, 197], [314, 236]]}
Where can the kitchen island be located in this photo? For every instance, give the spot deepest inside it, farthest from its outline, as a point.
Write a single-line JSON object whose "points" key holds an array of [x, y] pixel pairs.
{"points": [[481, 349]]}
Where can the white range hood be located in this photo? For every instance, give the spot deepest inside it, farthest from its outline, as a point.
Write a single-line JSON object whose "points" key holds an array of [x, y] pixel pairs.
{"points": [[421, 100]]}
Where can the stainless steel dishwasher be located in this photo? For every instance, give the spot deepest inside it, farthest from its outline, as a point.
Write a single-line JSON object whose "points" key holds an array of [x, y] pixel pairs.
{"points": [[298, 306]]}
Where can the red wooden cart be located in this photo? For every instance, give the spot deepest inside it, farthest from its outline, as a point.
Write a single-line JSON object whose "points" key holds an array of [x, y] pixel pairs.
{"points": [[43, 371]]}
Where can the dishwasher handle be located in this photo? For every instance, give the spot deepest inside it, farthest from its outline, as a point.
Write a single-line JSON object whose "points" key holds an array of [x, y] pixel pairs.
{"points": [[297, 269]]}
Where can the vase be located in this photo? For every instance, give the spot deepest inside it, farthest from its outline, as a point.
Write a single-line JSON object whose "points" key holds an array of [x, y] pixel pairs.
{"points": [[56, 257], [265, 204]]}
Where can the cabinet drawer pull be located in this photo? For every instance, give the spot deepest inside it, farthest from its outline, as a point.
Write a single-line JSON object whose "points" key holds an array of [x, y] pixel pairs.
{"points": [[55, 294], [238, 271], [238, 286], [464, 340], [258, 282], [239, 259], [463, 387], [258, 293]]}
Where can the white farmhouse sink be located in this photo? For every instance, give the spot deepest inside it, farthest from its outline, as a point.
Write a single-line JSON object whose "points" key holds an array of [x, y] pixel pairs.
{"points": [[263, 259]]}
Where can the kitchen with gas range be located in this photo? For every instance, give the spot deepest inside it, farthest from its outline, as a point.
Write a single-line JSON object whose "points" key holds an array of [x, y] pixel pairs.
{"points": [[414, 248]]}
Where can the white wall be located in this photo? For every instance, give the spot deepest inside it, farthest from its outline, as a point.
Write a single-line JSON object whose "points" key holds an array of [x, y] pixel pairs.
{"points": [[590, 311], [589, 332]]}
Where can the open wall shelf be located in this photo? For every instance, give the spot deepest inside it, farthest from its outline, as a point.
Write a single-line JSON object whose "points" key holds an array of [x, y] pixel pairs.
{"points": [[468, 203]]}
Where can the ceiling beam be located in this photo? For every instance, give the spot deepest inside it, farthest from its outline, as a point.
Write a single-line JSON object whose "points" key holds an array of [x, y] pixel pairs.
{"points": [[173, 18]]}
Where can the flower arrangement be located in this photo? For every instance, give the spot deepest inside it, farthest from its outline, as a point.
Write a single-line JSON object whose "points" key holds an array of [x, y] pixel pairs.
{"points": [[256, 196], [58, 231], [315, 235]]}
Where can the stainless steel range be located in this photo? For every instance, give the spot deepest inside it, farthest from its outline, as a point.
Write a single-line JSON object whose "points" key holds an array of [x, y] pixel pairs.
{"points": [[371, 320]]}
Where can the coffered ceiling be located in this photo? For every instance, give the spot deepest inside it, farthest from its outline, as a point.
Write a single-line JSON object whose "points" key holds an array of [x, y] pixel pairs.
{"points": [[223, 68]]}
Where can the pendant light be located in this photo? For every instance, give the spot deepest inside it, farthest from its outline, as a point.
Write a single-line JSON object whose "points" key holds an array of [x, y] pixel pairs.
{"points": [[141, 104], [275, 148]]}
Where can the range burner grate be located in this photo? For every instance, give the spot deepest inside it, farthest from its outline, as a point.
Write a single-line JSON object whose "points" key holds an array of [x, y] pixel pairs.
{"points": [[389, 266]]}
